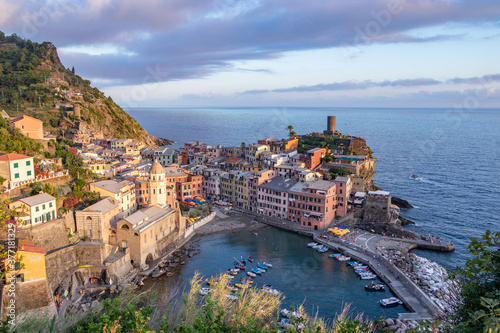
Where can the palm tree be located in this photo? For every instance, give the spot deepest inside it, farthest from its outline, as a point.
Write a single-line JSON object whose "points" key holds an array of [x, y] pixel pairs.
{"points": [[293, 135], [290, 128]]}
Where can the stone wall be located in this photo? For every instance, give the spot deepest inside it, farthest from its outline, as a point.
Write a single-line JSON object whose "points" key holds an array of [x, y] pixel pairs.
{"points": [[49, 235], [59, 264], [17, 193], [30, 298], [377, 209]]}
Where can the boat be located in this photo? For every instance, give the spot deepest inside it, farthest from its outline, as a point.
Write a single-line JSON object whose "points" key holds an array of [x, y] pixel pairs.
{"points": [[264, 267], [359, 266], [251, 274], [337, 255], [312, 244], [233, 271], [331, 256], [250, 259], [375, 287], [241, 285], [267, 264], [204, 291], [239, 266], [230, 296], [368, 277], [360, 269], [256, 271], [246, 281], [322, 249], [230, 277], [271, 291], [415, 176], [344, 258], [392, 301], [353, 263]]}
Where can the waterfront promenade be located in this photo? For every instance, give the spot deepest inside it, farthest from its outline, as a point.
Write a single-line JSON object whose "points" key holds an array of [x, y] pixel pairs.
{"points": [[366, 247]]}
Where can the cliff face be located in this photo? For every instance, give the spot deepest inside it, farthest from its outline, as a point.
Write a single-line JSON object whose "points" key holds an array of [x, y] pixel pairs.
{"points": [[33, 81]]}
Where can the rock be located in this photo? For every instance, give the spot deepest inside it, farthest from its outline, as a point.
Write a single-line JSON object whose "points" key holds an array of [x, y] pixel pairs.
{"points": [[389, 322], [403, 327], [401, 203], [393, 328], [399, 330], [398, 323], [94, 304]]}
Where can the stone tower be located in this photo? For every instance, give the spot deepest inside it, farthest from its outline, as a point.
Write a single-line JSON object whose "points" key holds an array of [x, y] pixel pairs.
{"points": [[330, 129], [157, 185]]}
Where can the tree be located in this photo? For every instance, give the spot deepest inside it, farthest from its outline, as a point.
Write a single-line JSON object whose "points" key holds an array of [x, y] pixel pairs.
{"points": [[293, 134], [480, 278], [290, 128]]}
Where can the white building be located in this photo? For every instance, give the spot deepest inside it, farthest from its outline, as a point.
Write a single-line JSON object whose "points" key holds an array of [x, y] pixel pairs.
{"points": [[36, 209], [16, 168]]}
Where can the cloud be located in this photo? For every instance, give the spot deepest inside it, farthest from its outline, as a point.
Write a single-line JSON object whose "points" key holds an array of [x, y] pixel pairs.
{"points": [[351, 85], [486, 79], [195, 38]]}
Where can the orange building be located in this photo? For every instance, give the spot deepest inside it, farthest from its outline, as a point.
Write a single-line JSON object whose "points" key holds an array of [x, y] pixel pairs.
{"points": [[290, 144], [312, 158], [186, 185], [28, 126]]}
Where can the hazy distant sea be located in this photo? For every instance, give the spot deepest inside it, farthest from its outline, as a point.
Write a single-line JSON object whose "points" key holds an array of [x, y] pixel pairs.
{"points": [[457, 154]]}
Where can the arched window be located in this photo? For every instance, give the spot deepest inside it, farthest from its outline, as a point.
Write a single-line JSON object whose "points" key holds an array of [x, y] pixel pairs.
{"points": [[125, 227]]}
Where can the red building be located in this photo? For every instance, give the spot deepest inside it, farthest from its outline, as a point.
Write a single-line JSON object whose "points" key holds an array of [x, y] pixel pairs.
{"points": [[312, 204], [191, 187], [312, 158]]}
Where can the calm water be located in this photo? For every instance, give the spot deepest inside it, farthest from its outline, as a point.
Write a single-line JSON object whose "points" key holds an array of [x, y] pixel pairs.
{"points": [[455, 153], [302, 274]]}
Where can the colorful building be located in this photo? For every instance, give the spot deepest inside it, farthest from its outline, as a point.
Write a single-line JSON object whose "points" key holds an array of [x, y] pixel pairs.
{"points": [[17, 168], [36, 209], [312, 158], [28, 126], [343, 187], [123, 192], [312, 204], [272, 198]]}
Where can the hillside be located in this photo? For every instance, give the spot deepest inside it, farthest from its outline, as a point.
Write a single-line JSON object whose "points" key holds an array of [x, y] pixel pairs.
{"points": [[34, 82]]}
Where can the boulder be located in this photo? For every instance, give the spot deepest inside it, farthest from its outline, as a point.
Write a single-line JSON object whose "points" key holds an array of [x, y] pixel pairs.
{"points": [[401, 203], [389, 322]]}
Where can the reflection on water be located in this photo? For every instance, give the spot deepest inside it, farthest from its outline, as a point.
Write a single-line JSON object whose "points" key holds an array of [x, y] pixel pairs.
{"points": [[302, 274]]}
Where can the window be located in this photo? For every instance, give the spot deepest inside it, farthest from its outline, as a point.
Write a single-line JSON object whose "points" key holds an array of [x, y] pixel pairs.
{"points": [[28, 163], [37, 208], [50, 204], [16, 165], [43, 206], [29, 173], [16, 175]]}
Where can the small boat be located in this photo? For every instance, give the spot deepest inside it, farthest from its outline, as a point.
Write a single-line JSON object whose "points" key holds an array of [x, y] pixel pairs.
{"points": [[322, 249], [251, 274], [271, 291], [264, 267], [256, 271], [250, 259], [352, 263], [344, 258], [267, 264], [359, 266], [331, 256], [241, 285], [230, 296], [337, 255], [212, 283], [415, 176], [361, 269], [204, 291], [392, 301], [239, 266], [312, 244], [255, 233], [230, 277], [368, 277], [375, 287]]}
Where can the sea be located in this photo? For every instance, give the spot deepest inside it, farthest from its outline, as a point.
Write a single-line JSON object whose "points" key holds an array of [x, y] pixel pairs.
{"points": [[454, 152]]}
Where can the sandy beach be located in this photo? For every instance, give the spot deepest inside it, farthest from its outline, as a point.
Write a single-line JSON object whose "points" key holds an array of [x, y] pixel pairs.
{"points": [[227, 223]]}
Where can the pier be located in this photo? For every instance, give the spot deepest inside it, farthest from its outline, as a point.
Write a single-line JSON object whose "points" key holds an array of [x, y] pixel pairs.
{"points": [[364, 249]]}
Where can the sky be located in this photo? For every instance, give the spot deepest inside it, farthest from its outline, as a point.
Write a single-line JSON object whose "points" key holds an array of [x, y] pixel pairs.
{"points": [[332, 53]]}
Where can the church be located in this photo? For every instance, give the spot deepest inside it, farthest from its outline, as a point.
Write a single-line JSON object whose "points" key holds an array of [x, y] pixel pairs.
{"points": [[154, 230]]}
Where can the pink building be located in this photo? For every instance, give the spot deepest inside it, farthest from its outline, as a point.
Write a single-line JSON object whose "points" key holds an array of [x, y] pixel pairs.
{"points": [[258, 179], [312, 204], [211, 183], [272, 197], [343, 190]]}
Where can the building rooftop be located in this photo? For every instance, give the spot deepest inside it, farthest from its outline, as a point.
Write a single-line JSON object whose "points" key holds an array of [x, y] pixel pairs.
{"points": [[279, 184], [13, 157], [144, 218], [37, 199], [24, 117], [105, 205], [314, 150], [342, 179], [109, 185]]}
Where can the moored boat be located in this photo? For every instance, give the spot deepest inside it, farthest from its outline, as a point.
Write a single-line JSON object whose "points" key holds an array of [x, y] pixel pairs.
{"points": [[256, 271], [204, 291], [250, 259], [375, 287], [267, 264], [264, 267], [392, 301], [312, 244], [241, 285], [251, 274]]}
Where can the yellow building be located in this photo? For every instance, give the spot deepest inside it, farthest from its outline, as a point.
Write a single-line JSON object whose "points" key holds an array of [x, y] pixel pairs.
{"points": [[29, 265], [100, 168], [123, 192]]}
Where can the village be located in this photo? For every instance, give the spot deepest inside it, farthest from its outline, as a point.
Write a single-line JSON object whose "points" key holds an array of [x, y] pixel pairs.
{"points": [[147, 202]]}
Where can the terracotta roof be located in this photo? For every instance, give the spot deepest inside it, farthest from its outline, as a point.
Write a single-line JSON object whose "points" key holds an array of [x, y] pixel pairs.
{"points": [[13, 157], [233, 159], [24, 117], [28, 246]]}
